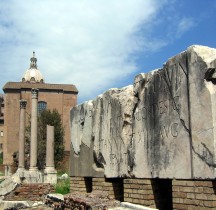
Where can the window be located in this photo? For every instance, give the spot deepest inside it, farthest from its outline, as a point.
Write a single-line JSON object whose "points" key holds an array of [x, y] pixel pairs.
{"points": [[2, 134], [41, 106]]}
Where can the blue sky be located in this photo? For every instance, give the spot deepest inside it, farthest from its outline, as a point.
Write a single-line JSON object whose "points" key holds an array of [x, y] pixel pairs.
{"points": [[99, 44]]}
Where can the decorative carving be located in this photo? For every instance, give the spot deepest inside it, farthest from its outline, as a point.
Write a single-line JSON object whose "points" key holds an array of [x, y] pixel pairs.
{"points": [[23, 104], [33, 64], [34, 93]]}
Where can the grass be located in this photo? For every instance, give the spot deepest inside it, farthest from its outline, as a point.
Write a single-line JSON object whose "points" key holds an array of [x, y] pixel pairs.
{"points": [[63, 185]]}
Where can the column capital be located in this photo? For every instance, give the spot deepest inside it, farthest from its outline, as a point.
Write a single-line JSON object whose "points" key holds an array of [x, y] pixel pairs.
{"points": [[23, 104], [34, 93]]}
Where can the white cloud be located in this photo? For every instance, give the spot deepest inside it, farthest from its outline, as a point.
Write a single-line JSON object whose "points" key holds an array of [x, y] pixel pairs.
{"points": [[87, 43], [184, 25]]}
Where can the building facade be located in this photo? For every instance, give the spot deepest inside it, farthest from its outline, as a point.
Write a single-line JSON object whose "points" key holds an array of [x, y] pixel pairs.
{"points": [[1, 130], [51, 96]]}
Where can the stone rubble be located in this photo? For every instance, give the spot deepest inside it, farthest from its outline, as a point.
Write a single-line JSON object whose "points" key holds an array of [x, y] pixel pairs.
{"points": [[9, 184], [26, 196], [97, 200]]}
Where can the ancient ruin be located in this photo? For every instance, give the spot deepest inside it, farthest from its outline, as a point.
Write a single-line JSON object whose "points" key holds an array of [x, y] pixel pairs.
{"points": [[22, 134], [160, 129], [50, 173], [33, 175], [33, 144], [24, 186]]}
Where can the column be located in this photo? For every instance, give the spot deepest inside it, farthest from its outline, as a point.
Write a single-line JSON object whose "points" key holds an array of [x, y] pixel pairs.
{"points": [[33, 143], [22, 134], [50, 174], [50, 148], [1, 101]]}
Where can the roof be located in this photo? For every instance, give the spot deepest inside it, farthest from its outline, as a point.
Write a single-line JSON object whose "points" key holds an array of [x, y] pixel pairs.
{"points": [[40, 86], [33, 75]]}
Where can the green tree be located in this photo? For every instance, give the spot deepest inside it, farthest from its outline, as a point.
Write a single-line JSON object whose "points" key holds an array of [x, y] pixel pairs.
{"points": [[53, 118]]}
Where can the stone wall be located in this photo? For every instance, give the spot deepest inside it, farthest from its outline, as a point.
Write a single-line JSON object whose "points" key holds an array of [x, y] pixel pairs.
{"points": [[114, 187], [163, 194], [188, 194], [81, 184], [31, 192], [154, 193]]}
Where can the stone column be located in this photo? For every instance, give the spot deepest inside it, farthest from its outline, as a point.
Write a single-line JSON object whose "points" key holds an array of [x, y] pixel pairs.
{"points": [[33, 144], [50, 148], [50, 174], [1, 101], [22, 134]]}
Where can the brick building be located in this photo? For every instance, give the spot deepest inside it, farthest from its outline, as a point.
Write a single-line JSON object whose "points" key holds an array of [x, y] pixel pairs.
{"points": [[51, 96], [1, 129]]}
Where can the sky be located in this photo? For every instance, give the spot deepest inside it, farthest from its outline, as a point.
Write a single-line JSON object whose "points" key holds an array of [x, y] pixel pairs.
{"points": [[99, 44]]}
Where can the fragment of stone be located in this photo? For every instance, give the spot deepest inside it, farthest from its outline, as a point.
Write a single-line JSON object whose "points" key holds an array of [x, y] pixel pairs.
{"points": [[161, 141], [164, 126], [174, 118], [14, 204], [9, 184], [55, 196], [81, 126], [81, 157], [202, 90], [63, 176], [112, 130], [135, 206]]}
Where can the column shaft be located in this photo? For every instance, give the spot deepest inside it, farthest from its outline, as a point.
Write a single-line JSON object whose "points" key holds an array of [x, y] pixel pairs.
{"points": [[50, 148], [33, 144], [22, 134]]}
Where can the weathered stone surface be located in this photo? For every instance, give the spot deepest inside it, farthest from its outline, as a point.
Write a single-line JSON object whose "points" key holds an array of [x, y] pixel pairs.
{"points": [[9, 184], [112, 131], [135, 206], [101, 132], [14, 204], [30, 176], [55, 197], [164, 126], [81, 127], [202, 90], [82, 162], [161, 140]]}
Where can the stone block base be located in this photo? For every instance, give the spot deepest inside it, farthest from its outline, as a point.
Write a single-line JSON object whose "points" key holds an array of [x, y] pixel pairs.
{"points": [[50, 176], [154, 193], [163, 194], [81, 184], [189, 194], [30, 176], [114, 187]]}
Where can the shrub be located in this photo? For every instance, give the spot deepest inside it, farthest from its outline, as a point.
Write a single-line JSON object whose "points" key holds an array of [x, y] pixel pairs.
{"points": [[63, 186]]}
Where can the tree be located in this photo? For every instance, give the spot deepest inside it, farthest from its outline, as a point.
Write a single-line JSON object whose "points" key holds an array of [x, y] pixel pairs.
{"points": [[53, 118]]}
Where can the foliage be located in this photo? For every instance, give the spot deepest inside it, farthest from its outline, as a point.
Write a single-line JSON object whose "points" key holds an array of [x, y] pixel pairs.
{"points": [[63, 186], [1, 158], [53, 118]]}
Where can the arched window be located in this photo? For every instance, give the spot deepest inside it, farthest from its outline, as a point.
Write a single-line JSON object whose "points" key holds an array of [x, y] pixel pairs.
{"points": [[41, 106]]}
